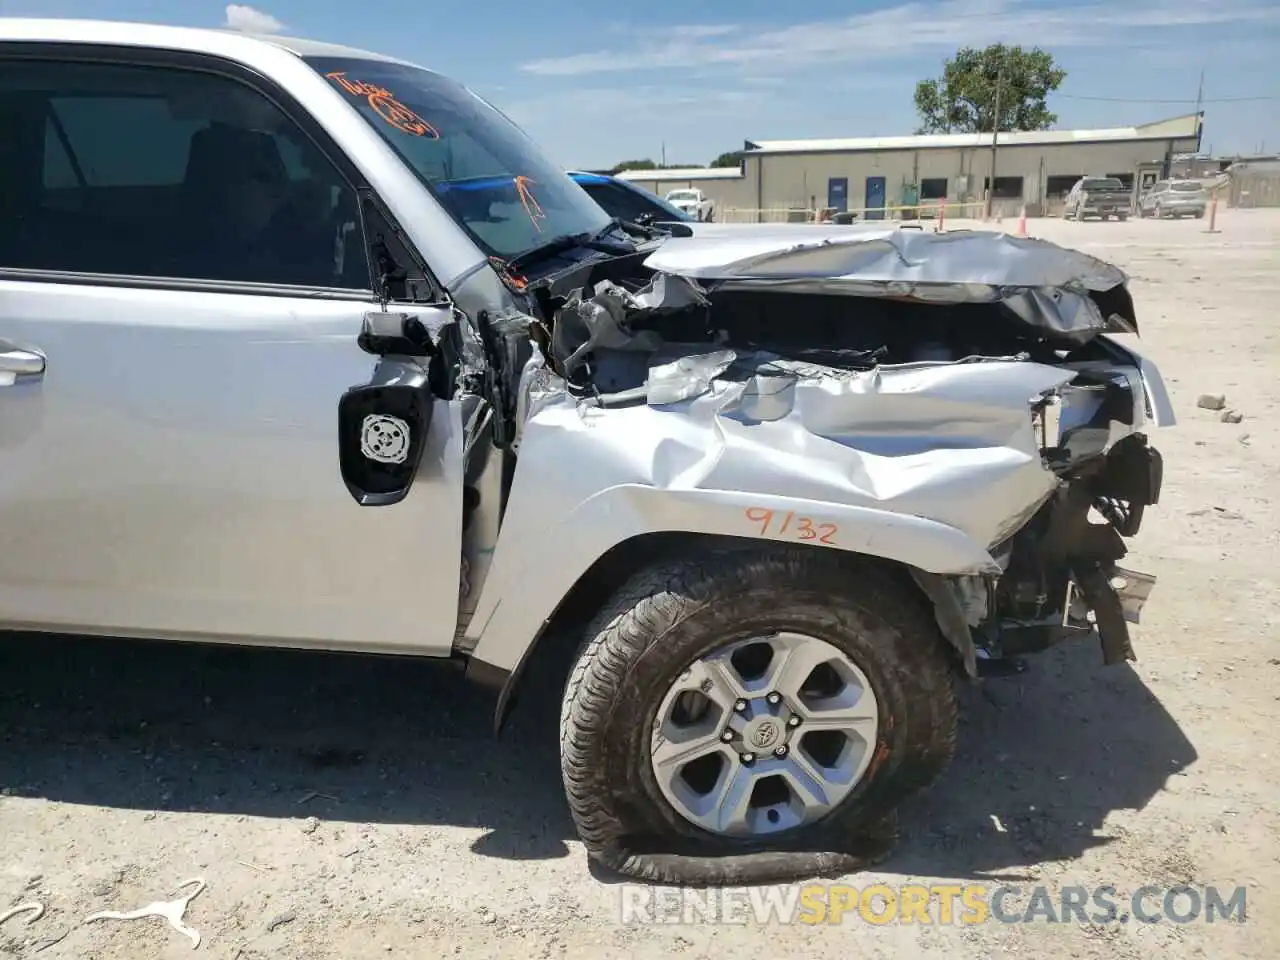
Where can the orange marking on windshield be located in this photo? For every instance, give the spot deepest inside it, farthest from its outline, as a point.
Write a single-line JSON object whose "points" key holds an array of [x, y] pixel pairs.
{"points": [[386, 106], [529, 201]]}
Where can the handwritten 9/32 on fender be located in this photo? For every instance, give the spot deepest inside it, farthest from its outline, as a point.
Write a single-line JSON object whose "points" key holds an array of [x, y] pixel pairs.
{"points": [[789, 524]]}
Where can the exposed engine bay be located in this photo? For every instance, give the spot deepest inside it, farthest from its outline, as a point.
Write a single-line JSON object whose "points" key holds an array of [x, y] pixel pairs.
{"points": [[951, 402]]}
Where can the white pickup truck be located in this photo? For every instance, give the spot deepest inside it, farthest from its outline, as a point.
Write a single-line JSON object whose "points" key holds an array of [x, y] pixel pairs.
{"points": [[306, 346], [693, 202]]}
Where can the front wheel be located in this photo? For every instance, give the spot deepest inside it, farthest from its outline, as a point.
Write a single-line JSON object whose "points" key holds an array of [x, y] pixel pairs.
{"points": [[753, 716]]}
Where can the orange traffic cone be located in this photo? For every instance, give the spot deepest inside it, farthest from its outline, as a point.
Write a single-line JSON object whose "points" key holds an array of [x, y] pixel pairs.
{"points": [[1022, 222]]}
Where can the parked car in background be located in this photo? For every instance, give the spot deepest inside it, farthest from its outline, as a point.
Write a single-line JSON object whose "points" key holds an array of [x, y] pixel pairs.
{"points": [[1174, 198], [626, 201], [1100, 197], [693, 202]]}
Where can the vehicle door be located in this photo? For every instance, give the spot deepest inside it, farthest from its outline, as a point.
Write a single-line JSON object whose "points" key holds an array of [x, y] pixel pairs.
{"points": [[179, 314], [1148, 195], [1157, 192]]}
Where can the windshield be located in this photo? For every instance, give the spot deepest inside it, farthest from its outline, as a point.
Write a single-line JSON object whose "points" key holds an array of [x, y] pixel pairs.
{"points": [[682, 195], [1103, 183], [485, 171], [1186, 186]]}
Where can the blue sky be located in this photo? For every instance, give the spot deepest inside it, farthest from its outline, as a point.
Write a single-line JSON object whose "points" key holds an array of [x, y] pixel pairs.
{"points": [[595, 83]]}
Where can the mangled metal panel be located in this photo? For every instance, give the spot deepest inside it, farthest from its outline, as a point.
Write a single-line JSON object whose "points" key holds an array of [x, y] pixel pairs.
{"points": [[1064, 292], [953, 443]]}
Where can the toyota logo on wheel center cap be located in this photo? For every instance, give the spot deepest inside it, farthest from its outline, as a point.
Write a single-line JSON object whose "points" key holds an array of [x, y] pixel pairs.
{"points": [[765, 734]]}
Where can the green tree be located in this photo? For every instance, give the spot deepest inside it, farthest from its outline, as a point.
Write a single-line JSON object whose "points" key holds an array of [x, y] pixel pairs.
{"points": [[731, 159], [963, 99], [645, 164]]}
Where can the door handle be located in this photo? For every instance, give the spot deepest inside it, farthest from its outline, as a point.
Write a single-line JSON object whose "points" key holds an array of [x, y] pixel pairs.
{"points": [[16, 363]]}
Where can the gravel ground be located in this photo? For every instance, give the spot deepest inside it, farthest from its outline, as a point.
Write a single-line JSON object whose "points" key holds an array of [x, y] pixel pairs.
{"points": [[344, 807]]}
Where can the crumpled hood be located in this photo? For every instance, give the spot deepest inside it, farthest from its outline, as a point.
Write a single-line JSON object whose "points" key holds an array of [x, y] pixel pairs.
{"points": [[1063, 291]]}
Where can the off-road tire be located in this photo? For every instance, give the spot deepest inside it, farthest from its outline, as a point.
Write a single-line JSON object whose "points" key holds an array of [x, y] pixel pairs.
{"points": [[671, 614]]}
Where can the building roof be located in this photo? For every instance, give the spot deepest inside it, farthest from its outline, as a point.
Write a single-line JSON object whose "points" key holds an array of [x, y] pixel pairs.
{"points": [[683, 173], [1177, 128]]}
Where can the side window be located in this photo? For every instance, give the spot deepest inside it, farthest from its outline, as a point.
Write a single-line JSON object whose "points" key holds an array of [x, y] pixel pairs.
{"points": [[618, 201], [167, 173]]}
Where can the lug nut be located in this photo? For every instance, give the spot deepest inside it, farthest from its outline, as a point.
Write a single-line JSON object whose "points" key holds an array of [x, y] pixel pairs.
{"points": [[774, 699], [727, 736], [794, 721], [748, 758], [781, 751], [739, 706]]}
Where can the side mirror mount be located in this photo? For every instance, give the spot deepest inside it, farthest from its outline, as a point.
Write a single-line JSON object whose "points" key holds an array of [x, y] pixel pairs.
{"points": [[383, 424], [382, 432]]}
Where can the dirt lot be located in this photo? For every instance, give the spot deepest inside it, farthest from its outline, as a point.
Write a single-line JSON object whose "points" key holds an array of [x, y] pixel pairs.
{"points": [[352, 807]]}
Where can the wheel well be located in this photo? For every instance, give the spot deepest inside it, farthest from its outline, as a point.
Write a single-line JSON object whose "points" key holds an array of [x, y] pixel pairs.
{"points": [[552, 652]]}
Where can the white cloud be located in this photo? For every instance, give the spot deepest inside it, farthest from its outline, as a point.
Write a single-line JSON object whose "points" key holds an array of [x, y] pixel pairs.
{"points": [[910, 28], [251, 20], [635, 104]]}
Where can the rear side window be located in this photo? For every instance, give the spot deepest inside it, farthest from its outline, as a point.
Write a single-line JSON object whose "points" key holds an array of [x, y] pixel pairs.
{"points": [[156, 172], [622, 203]]}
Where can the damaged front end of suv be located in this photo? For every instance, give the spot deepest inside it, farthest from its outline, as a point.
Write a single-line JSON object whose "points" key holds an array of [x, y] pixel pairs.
{"points": [[954, 403], [781, 487]]}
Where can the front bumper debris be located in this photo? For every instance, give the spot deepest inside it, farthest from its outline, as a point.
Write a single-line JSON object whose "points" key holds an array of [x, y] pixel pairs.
{"points": [[1108, 603]]}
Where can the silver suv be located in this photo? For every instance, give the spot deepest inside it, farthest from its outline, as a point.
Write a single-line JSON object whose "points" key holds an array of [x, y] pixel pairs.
{"points": [[306, 346], [1174, 198]]}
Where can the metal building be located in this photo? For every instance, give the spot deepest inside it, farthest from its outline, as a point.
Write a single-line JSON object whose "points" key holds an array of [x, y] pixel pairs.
{"points": [[897, 176]]}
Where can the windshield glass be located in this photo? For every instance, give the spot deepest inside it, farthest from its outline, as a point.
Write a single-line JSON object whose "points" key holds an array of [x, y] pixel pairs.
{"points": [[682, 195], [1186, 186], [486, 172], [1103, 183]]}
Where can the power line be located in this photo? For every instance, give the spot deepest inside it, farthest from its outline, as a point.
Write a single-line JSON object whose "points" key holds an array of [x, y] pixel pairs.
{"points": [[1068, 96]]}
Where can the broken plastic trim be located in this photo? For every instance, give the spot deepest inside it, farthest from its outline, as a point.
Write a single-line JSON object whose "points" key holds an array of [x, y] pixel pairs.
{"points": [[382, 432], [385, 333]]}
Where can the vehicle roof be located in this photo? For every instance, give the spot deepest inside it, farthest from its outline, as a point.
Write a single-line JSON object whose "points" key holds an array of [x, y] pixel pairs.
{"points": [[224, 42]]}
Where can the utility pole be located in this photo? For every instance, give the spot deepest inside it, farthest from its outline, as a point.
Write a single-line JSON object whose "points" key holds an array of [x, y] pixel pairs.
{"points": [[995, 132], [1199, 104]]}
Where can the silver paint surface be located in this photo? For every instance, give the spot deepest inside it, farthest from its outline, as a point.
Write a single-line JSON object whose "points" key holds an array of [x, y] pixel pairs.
{"points": [[930, 464], [174, 471]]}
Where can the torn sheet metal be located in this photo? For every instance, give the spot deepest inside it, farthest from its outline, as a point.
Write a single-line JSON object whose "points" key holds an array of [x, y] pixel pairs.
{"points": [[1063, 291], [595, 319], [952, 443]]}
